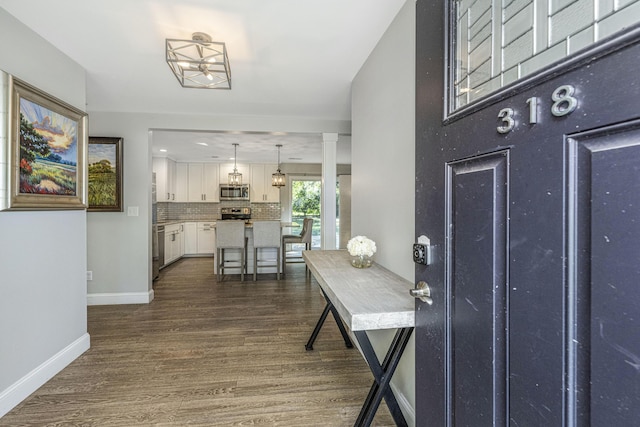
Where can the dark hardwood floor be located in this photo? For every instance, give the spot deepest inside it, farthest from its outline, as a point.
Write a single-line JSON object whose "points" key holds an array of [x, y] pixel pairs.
{"points": [[208, 354]]}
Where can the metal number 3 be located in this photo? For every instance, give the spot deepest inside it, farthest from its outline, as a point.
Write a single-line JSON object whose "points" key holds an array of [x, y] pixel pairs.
{"points": [[506, 114]]}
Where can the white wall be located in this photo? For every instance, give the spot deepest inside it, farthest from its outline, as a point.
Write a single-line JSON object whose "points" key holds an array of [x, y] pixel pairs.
{"points": [[383, 140], [43, 315]]}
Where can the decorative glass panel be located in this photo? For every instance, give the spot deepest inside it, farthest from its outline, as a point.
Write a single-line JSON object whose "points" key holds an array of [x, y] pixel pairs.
{"points": [[497, 42]]}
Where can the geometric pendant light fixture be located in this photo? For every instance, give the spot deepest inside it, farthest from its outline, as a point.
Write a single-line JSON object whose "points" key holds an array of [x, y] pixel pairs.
{"points": [[235, 177], [278, 179], [199, 62]]}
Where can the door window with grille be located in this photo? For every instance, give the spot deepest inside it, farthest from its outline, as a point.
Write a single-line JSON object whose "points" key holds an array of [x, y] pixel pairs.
{"points": [[496, 43]]}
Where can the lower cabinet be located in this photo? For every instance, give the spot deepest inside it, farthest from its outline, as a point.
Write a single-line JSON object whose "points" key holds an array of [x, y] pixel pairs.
{"points": [[190, 238], [206, 238], [173, 242], [200, 238]]}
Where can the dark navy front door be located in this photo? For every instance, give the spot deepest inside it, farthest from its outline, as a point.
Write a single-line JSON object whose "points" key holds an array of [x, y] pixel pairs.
{"points": [[532, 205]]}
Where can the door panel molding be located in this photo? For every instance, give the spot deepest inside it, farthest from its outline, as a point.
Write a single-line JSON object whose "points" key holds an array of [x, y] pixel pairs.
{"points": [[477, 290], [603, 228]]}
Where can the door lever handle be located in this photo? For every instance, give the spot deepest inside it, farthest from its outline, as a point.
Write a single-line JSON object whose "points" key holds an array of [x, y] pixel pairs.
{"points": [[422, 291]]}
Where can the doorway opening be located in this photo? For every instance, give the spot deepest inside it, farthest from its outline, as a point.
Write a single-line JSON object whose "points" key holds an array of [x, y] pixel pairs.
{"points": [[306, 197]]}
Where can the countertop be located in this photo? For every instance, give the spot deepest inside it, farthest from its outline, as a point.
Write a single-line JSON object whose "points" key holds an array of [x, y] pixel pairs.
{"points": [[368, 298], [213, 222]]}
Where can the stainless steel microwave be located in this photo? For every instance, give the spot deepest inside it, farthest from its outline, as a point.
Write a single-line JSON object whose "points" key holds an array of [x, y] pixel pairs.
{"points": [[234, 192]]}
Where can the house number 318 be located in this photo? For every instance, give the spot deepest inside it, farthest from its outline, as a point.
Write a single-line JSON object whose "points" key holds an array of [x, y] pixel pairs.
{"points": [[563, 103]]}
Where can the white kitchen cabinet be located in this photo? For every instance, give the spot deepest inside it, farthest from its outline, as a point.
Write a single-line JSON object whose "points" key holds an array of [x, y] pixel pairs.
{"points": [[203, 182], [170, 235], [261, 189], [173, 242], [190, 238], [199, 238], [165, 170], [227, 168], [206, 238], [181, 182]]}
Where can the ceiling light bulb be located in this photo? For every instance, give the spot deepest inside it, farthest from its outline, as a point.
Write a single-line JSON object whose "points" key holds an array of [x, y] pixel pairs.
{"points": [[205, 72]]}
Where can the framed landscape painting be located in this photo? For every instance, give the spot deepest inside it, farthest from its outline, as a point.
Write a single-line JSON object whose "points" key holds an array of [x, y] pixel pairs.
{"points": [[105, 174], [47, 148]]}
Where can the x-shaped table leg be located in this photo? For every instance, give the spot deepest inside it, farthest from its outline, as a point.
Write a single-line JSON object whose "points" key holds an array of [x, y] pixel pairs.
{"points": [[382, 374], [328, 308]]}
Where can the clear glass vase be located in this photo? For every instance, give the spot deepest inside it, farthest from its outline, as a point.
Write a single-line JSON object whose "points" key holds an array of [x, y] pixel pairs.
{"points": [[361, 261]]}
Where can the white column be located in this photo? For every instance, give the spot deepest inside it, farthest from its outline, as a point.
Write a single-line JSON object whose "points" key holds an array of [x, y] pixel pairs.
{"points": [[329, 172]]}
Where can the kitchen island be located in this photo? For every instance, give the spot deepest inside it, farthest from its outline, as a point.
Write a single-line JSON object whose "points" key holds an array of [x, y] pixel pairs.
{"points": [[187, 238], [268, 253]]}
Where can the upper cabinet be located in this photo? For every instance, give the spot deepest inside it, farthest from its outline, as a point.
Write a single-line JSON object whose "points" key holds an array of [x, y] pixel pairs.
{"points": [[261, 189], [200, 182], [181, 186], [165, 170], [203, 182]]}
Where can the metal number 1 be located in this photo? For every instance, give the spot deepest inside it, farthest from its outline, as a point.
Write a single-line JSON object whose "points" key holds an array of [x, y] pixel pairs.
{"points": [[533, 110]]}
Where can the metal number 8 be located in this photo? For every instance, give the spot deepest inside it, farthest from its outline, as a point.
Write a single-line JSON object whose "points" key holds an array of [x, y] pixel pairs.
{"points": [[563, 101]]}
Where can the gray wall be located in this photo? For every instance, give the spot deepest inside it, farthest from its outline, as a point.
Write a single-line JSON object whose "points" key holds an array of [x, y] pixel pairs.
{"points": [[383, 171], [344, 181], [43, 314]]}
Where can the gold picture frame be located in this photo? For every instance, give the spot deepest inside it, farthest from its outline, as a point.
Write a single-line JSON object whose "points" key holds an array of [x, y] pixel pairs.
{"points": [[46, 147], [104, 164]]}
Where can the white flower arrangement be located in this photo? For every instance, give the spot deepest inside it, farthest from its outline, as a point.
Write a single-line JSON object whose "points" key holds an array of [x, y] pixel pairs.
{"points": [[361, 245]]}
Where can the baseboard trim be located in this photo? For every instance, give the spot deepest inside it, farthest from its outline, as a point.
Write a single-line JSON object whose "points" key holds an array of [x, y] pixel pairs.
{"points": [[406, 408], [20, 390], [120, 298]]}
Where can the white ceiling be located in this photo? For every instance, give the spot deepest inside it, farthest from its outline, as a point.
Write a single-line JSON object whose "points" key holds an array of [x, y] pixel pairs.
{"points": [[253, 147], [289, 58]]}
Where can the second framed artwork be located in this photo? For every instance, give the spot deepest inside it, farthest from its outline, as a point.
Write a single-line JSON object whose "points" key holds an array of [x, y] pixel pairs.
{"points": [[105, 174]]}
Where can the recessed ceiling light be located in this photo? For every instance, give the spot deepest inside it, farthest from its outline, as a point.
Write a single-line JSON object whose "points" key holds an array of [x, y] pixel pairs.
{"points": [[204, 144], [163, 150]]}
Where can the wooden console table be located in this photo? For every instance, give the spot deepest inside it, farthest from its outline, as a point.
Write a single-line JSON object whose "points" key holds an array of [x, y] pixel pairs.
{"points": [[366, 299]]}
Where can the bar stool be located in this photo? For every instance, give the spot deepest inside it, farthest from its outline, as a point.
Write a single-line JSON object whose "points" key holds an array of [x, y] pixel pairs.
{"points": [[303, 238], [266, 234], [230, 235]]}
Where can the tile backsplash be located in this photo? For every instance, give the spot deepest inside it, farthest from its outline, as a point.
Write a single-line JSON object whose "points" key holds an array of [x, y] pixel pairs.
{"points": [[211, 211]]}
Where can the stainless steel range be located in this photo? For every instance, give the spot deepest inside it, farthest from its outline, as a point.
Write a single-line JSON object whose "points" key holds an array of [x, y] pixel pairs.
{"points": [[235, 213]]}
